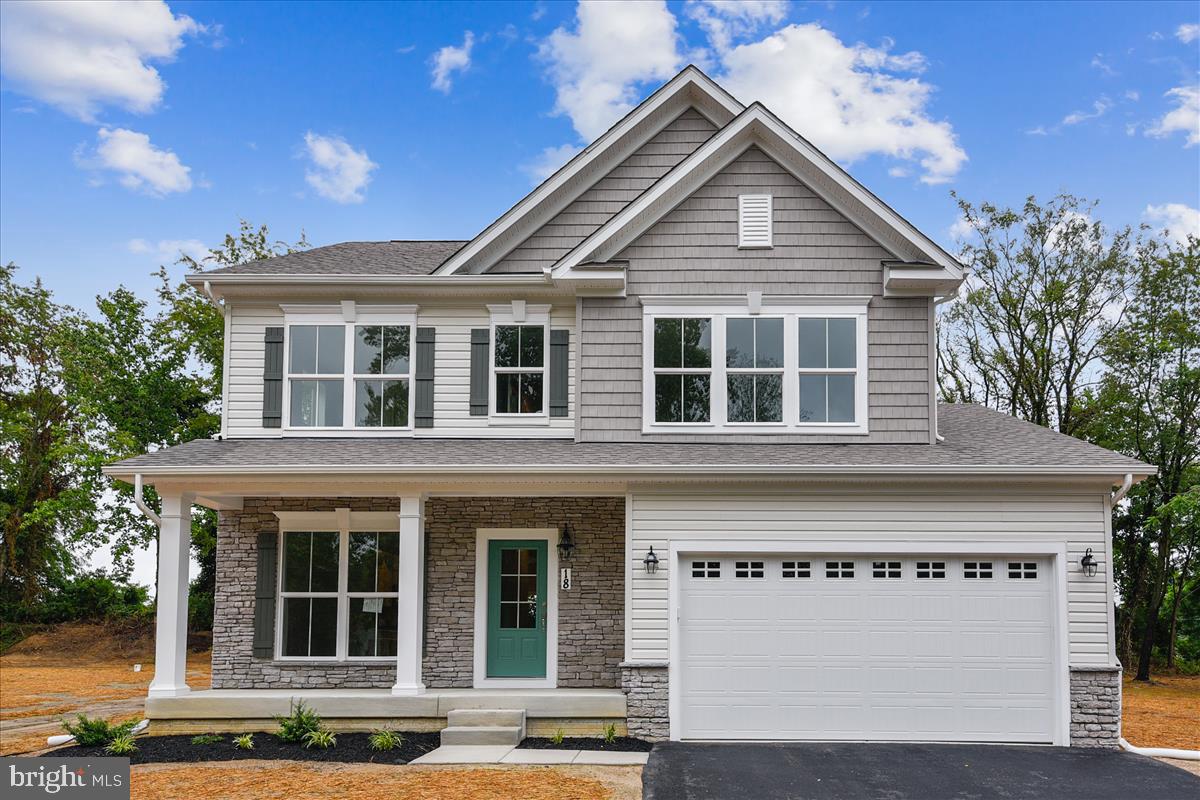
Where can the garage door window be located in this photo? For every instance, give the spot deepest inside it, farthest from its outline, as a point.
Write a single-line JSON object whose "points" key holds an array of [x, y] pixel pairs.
{"points": [[1022, 570], [977, 570], [885, 569], [839, 569], [748, 569], [931, 570], [706, 569], [796, 569]]}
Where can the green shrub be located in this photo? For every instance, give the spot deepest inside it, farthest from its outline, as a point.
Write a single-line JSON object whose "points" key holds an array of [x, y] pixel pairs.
{"points": [[320, 739], [95, 732], [121, 745], [385, 739], [244, 742], [558, 736], [610, 733], [299, 723], [207, 738]]}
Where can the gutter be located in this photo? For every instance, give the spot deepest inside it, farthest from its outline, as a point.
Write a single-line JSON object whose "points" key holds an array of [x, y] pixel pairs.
{"points": [[242, 278], [936, 303]]}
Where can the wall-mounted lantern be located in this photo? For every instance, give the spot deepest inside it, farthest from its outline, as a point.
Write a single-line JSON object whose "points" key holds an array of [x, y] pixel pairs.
{"points": [[651, 561], [1088, 564], [566, 542]]}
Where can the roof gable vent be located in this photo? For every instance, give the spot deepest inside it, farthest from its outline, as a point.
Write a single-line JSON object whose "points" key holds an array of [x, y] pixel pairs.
{"points": [[754, 220]]}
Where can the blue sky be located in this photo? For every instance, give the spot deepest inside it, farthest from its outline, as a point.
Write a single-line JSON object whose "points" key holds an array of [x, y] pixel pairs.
{"points": [[106, 168]]}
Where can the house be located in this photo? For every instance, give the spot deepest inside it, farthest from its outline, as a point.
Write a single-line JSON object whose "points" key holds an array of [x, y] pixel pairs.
{"points": [[660, 447]]}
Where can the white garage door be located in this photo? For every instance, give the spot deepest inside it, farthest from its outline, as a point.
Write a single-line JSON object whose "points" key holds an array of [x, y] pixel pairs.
{"points": [[926, 648]]}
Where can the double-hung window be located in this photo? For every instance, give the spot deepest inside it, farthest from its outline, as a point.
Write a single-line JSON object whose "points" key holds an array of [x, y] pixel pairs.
{"points": [[755, 364], [349, 372], [520, 369]]}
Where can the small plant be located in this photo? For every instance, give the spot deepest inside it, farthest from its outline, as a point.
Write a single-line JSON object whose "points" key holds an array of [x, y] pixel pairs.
{"points": [[207, 738], [558, 736], [320, 739], [300, 722], [610, 733], [95, 732], [121, 745], [244, 742], [385, 739]]}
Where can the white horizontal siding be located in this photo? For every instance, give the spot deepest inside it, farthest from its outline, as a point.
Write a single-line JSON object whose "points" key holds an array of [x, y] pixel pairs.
{"points": [[244, 397], [904, 515]]}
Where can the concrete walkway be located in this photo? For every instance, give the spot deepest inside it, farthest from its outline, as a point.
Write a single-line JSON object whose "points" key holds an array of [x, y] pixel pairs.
{"points": [[504, 754]]}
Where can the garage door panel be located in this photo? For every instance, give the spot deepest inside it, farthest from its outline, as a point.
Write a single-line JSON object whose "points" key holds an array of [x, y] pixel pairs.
{"points": [[888, 659]]}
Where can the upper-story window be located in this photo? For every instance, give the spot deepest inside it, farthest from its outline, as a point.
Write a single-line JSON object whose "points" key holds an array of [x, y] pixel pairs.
{"points": [[520, 366], [349, 374], [781, 365]]}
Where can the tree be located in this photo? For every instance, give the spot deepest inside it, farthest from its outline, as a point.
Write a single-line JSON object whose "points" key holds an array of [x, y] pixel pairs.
{"points": [[1047, 285]]}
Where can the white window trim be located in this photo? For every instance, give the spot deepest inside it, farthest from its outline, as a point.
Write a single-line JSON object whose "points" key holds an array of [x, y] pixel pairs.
{"points": [[790, 308], [349, 315], [519, 313], [742, 198], [343, 522]]}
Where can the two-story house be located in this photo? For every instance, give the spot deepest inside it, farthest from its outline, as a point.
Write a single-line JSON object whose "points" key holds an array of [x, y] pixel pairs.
{"points": [[661, 447]]}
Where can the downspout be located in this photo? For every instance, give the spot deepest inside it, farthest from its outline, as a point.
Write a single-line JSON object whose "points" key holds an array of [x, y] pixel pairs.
{"points": [[141, 504], [936, 303], [1161, 752], [211, 296], [1119, 494]]}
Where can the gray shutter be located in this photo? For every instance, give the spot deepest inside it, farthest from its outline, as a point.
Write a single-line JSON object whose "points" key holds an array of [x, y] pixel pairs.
{"points": [[423, 415], [272, 410], [560, 345], [264, 595], [480, 338]]}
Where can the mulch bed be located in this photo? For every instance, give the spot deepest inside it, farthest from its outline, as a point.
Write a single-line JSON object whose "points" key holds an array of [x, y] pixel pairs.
{"points": [[622, 744], [351, 748]]}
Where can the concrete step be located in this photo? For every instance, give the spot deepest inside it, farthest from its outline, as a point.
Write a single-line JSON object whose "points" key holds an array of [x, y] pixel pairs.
{"points": [[482, 734], [503, 717]]}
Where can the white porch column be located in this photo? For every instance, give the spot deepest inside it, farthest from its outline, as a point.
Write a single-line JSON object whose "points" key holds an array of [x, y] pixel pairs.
{"points": [[408, 632], [171, 598]]}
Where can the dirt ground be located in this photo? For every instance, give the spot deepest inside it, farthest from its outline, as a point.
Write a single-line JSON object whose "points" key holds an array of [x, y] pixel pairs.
{"points": [[266, 780], [1163, 713]]}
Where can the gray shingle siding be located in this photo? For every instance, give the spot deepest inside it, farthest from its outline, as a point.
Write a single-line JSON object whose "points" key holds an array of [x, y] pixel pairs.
{"points": [[693, 250], [609, 195]]}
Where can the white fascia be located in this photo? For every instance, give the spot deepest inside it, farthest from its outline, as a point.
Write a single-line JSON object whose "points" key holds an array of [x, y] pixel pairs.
{"points": [[756, 126]]}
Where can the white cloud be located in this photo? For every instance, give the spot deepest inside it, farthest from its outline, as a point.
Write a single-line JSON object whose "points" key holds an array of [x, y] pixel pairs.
{"points": [[961, 230], [549, 160], [81, 56], [1188, 32], [338, 172], [596, 68], [1099, 63], [1178, 220], [450, 60], [1132, 95], [169, 250], [1184, 117], [1099, 108], [139, 164], [725, 20], [847, 99]]}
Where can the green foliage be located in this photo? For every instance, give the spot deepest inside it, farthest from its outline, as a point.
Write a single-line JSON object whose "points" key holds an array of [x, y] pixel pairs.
{"points": [[122, 745], [610, 733], [320, 739], [385, 739], [244, 742], [558, 736], [207, 738], [93, 732], [92, 597], [300, 721]]}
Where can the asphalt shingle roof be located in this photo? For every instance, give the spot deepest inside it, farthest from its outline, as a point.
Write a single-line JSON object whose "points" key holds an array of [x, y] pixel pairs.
{"points": [[974, 437], [410, 257]]}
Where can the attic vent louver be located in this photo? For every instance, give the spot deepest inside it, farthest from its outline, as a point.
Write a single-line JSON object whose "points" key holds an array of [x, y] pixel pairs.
{"points": [[754, 220]]}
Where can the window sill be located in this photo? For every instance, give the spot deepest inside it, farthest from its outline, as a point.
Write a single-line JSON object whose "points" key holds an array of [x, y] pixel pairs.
{"points": [[527, 420]]}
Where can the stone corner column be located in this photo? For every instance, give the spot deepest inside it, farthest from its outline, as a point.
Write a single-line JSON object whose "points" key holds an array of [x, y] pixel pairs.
{"points": [[647, 715], [408, 628], [1096, 706], [171, 596]]}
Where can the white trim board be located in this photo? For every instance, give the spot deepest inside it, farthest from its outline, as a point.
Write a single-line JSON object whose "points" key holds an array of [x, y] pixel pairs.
{"points": [[480, 680]]}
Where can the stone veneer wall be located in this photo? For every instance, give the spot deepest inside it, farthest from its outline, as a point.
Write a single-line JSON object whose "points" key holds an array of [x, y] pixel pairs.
{"points": [[645, 686], [591, 615], [1095, 707]]}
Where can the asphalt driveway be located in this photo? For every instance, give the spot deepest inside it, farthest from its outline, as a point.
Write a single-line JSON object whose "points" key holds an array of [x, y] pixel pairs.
{"points": [[683, 771]]}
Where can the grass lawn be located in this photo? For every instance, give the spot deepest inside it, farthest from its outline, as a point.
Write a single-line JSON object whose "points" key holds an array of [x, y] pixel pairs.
{"points": [[1162, 713]]}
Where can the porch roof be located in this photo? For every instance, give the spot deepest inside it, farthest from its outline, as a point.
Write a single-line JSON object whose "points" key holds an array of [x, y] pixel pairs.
{"points": [[977, 441]]}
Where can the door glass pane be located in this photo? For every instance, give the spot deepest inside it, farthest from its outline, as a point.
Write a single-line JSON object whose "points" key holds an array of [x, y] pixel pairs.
{"points": [[368, 349], [528, 615], [361, 572], [297, 549], [331, 351], [532, 344], [696, 398], [302, 347], [812, 398], [739, 343], [842, 350], [395, 349], [768, 343], [507, 341], [388, 578], [668, 343], [323, 633], [509, 588], [508, 615], [812, 343], [528, 561], [528, 587], [295, 626], [841, 398], [668, 398], [395, 404], [508, 562], [372, 626], [768, 398], [697, 343], [741, 398], [531, 392], [324, 561]]}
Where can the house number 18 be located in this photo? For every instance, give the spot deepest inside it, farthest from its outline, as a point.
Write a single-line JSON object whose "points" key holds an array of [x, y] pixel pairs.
{"points": [[565, 578]]}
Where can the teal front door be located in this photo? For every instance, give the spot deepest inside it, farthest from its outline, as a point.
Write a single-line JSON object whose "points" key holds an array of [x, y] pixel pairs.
{"points": [[516, 630]]}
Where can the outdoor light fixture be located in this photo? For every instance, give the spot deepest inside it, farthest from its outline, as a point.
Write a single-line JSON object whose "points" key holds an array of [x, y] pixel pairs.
{"points": [[651, 561], [1088, 563], [566, 542]]}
